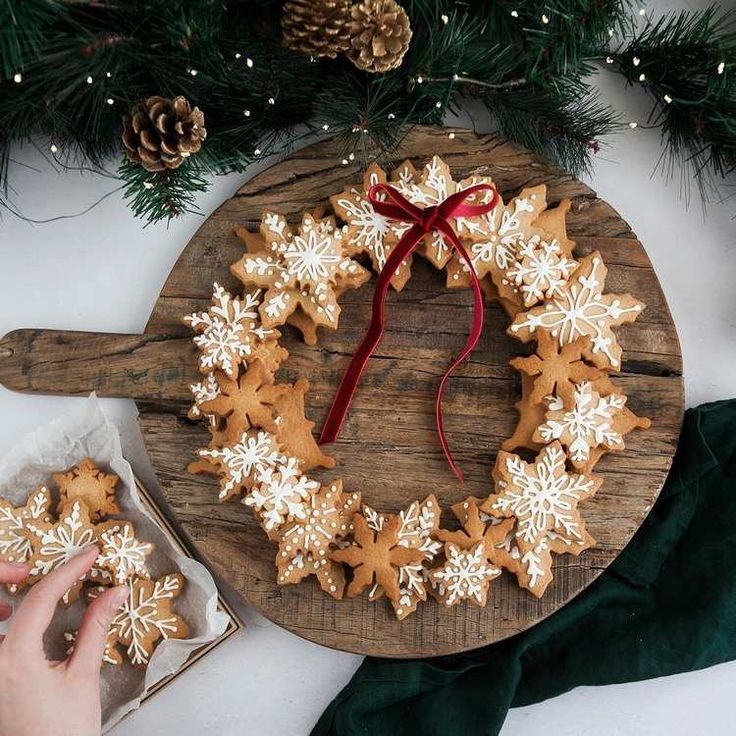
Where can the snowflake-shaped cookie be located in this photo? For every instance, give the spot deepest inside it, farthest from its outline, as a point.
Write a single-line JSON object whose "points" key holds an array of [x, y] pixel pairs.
{"points": [[418, 524], [476, 527], [539, 271], [588, 424], [245, 402], [367, 231], [541, 495], [204, 390], [253, 452], [556, 368], [146, 617], [56, 542], [581, 308], [111, 654], [281, 493], [121, 554], [300, 269], [15, 546], [376, 556], [89, 484], [228, 331], [304, 542], [465, 575], [493, 249]]}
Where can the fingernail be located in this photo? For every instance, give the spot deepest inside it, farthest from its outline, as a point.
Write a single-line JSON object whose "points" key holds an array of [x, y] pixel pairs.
{"points": [[19, 565]]}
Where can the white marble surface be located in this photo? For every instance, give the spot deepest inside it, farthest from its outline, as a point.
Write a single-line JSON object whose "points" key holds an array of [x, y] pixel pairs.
{"points": [[103, 271]]}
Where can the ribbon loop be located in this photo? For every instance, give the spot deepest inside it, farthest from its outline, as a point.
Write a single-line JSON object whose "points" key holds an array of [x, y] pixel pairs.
{"points": [[390, 203]]}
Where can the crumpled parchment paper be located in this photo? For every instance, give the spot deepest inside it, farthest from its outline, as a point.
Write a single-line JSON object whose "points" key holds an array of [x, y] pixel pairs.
{"points": [[86, 432]]}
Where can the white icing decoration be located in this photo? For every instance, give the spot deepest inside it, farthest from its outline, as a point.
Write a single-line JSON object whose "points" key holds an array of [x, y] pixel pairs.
{"points": [[587, 425], [123, 554], [465, 575]]}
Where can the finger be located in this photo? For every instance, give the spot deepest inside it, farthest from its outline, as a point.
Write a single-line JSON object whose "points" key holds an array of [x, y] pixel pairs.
{"points": [[12, 572], [5, 611], [90, 645], [37, 609]]}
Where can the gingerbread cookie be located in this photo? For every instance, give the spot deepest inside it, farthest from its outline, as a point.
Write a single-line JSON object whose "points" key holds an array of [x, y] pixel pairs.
{"points": [[367, 231], [586, 425], [465, 575], [541, 495], [294, 430], [531, 415], [228, 332], [15, 546], [56, 542], [300, 270], [121, 554], [281, 493], [417, 527], [556, 368], [493, 250], [246, 401], [305, 542], [111, 655], [376, 557], [146, 617], [237, 463], [539, 271], [581, 308], [474, 528], [89, 484]]}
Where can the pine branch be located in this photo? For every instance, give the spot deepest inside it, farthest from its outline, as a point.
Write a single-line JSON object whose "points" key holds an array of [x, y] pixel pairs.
{"points": [[686, 62], [161, 196]]}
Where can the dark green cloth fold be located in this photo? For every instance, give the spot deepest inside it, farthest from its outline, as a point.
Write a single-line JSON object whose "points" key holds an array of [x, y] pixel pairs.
{"points": [[666, 605]]}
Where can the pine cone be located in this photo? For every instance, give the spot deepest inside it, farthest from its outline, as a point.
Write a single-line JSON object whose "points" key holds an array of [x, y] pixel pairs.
{"points": [[317, 27], [380, 35], [160, 133]]}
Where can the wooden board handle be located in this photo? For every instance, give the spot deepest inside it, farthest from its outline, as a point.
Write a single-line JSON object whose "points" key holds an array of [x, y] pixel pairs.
{"points": [[121, 366]]}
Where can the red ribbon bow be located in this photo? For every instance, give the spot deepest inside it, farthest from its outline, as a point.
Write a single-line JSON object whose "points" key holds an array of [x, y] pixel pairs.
{"points": [[396, 207]]}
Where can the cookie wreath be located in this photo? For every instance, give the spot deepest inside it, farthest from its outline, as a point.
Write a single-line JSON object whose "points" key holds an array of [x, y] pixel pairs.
{"points": [[570, 413]]}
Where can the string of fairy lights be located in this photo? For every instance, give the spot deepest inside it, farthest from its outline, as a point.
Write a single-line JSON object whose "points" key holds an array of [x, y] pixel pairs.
{"points": [[545, 19]]}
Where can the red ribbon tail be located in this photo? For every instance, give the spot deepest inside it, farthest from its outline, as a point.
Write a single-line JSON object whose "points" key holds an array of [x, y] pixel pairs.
{"points": [[351, 378], [471, 342]]}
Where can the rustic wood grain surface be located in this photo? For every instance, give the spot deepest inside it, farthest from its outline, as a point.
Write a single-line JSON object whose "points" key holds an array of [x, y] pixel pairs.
{"points": [[388, 448]]}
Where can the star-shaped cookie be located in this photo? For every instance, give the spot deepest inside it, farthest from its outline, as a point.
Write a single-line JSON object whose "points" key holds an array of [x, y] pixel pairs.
{"points": [[89, 484]]}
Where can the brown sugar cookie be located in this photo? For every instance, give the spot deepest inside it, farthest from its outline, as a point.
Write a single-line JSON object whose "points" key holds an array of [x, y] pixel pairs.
{"points": [[541, 495], [15, 546], [587, 424], [418, 523], [531, 415], [493, 250], [294, 430], [281, 493], [228, 332], [539, 271], [474, 529], [376, 556], [367, 231], [89, 484], [465, 575], [300, 269], [146, 617], [553, 221], [246, 401], [55, 542], [582, 309], [556, 369], [305, 542], [238, 462], [122, 554]]}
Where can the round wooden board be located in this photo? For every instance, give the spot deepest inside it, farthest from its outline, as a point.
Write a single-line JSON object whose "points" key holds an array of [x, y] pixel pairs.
{"points": [[388, 448]]}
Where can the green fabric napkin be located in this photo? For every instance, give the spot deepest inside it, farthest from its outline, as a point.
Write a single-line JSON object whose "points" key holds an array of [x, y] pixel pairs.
{"points": [[666, 605]]}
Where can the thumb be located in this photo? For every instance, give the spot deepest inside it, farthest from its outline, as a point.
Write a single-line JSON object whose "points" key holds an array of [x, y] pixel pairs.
{"points": [[90, 646]]}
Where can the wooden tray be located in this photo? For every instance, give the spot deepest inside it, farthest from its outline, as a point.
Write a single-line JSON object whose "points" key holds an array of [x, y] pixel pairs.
{"points": [[388, 448]]}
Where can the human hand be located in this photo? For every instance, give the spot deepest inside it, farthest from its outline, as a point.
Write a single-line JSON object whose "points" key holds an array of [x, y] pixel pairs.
{"points": [[42, 697]]}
